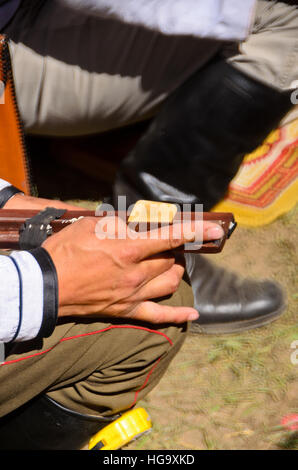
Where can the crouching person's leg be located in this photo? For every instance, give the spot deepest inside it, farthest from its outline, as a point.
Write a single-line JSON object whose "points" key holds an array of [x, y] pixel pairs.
{"points": [[57, 394]]}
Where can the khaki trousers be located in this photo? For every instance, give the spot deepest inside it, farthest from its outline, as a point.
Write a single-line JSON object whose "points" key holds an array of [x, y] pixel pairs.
{"points": [[93, 367], [77, 74]]}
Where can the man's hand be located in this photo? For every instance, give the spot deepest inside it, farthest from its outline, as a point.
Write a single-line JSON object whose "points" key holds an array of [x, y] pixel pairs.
{"points": [[119, 277]]}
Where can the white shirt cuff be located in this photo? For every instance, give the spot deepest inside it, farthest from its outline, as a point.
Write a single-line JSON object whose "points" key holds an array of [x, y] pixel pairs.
{"points": [[25, 291], [3, 184]]}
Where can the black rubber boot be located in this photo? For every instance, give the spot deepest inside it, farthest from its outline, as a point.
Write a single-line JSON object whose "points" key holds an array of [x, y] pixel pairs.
{"points": [[189, 154], [43, 424]]}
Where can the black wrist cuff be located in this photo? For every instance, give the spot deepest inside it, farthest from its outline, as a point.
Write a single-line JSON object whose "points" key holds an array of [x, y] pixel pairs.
{"points": [[7, 193], [50, 291]]}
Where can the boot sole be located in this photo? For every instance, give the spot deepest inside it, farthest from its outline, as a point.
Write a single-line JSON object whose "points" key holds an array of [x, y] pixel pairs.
{"points": [[236, 327]]}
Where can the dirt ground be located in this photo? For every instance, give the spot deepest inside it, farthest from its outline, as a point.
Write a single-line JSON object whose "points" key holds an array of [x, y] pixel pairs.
{"points": [[220, 392], [231, 392]]}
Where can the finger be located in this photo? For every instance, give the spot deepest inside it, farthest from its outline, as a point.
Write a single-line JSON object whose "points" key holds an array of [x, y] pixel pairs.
{"points": [[148, 244], [166, 238], [155, 313], [199, 230], [171, 237], [163, 285], [212, 231], [153, 267], [141, 274]]}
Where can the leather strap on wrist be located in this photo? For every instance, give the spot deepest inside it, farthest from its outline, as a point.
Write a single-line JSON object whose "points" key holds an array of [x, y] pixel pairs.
{"points": [[50, 290], [7, 193]]}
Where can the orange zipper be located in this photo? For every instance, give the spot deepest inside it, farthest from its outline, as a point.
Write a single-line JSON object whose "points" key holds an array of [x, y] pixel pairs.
{"points": [[14, 158]]}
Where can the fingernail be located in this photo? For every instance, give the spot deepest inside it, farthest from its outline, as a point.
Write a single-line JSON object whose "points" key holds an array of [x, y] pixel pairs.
{"points": [[215, 233], [193, 316]]}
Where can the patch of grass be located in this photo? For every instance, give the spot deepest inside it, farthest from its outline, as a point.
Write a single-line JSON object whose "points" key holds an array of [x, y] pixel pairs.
{"points": [[289, 442]]}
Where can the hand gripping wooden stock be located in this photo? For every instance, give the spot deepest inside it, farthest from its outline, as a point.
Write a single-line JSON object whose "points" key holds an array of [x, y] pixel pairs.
{"points": [[14, 163], [12, 221]]}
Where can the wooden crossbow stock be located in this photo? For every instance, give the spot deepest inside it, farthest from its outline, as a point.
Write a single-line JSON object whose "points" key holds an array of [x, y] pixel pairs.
{"points": [[26, 229]]}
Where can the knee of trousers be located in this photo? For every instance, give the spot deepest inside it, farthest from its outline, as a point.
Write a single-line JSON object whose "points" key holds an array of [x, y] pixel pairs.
{"points": [[96, 369], [93, 366], [138, 357], [133, 359], [270, 53]]}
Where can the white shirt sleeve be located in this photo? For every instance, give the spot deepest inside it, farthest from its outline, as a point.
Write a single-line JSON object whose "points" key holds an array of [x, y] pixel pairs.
{"points": [[20, 293], [3, 184], [217, 19]]}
